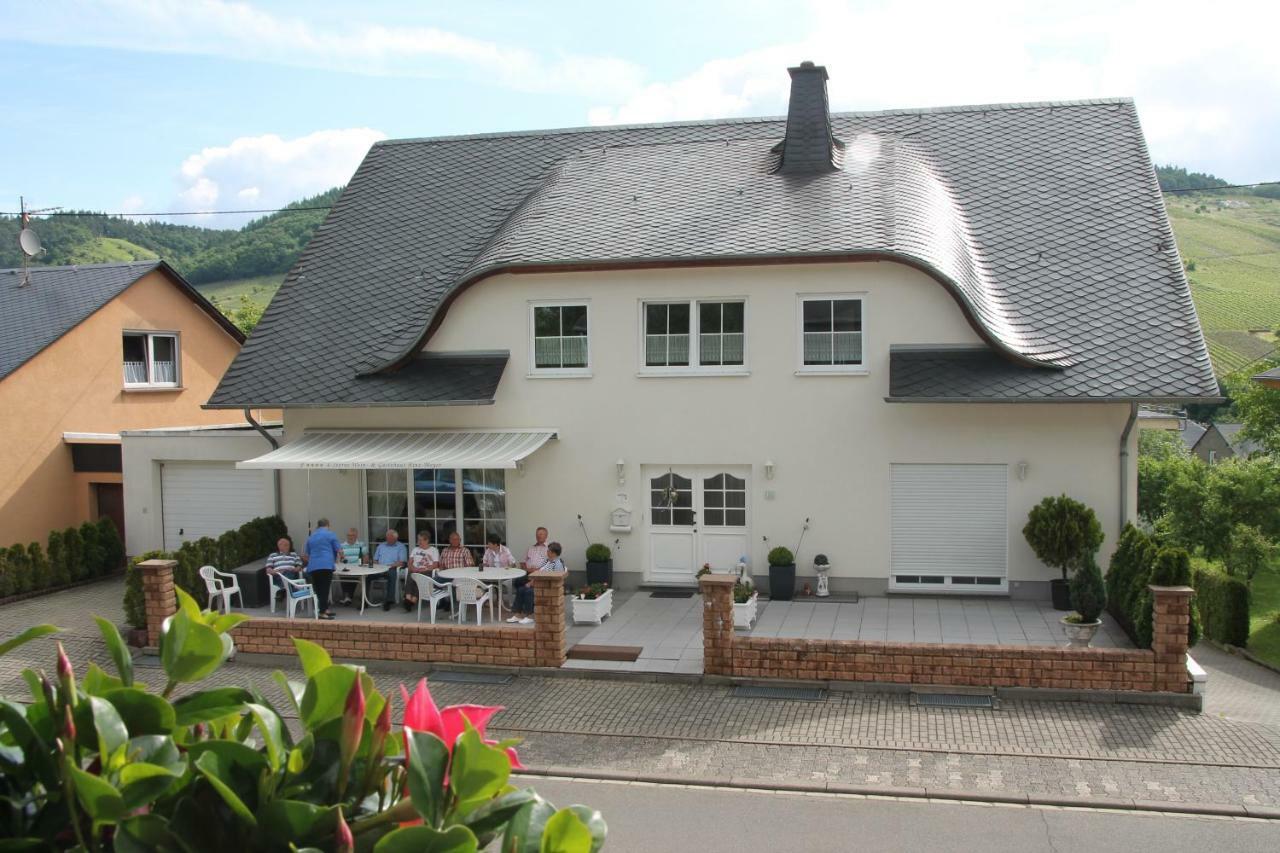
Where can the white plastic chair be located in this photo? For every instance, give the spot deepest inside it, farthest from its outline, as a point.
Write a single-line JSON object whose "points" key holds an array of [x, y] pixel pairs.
{"points": [[432, 591], [474, 594], [297, 592], [219, 588], [275, 583]]}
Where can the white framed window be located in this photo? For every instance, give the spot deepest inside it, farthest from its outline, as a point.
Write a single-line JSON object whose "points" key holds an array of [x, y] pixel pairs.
{"points": [[559, 339], [471, 502], [151, 360], [829, 334], [706, 336]]}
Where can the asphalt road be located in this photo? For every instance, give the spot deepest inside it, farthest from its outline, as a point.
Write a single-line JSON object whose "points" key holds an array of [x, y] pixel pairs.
{"points": [[658, 817]]}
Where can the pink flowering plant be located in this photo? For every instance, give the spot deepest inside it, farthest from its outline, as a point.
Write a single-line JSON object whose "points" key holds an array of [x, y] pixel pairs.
{"points": [[104, 762]]}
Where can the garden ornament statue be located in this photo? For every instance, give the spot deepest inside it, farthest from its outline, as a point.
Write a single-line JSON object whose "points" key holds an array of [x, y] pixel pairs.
{"points": [[821, 565]]}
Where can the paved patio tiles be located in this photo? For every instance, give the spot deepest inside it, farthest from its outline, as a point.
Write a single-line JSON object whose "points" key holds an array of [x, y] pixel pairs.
{"points": [[668, 629]]}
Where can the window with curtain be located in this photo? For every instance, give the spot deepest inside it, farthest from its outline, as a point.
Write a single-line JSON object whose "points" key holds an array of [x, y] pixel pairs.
{"points": [[695, 334], [831, 332], [560, 339], [150, 359]]}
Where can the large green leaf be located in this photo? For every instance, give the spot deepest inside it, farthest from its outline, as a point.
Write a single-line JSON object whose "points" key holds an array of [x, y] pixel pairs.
{"points": [[224, 622], [326, 695], [524, 831], [211, 705], [32, 633], [189, 649], [97, 682], [566, 833], [274, 734], [147, 833], [479, 771], [118, 650], [493, 815], [143, 713], [141, 783], [100, 726], [228, 753], [156, 749], [208, 767], [312, 656], [34, 747], [595, 825], [99, 798], [424, 839], [291, 821], [426, 763]]}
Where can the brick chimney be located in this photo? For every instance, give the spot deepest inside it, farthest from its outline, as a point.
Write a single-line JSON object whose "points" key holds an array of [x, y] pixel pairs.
{"points": [[808, 148]]}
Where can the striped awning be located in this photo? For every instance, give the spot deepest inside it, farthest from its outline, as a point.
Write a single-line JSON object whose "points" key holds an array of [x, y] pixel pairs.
{"points": [[497, 448]]}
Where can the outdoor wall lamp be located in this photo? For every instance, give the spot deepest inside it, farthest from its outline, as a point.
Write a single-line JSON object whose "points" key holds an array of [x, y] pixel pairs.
{"points": [[621, 465], [1022, 470], [768, 469]]}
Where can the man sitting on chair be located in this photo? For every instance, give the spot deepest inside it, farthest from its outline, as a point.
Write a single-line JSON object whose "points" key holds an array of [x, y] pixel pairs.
{"points": [[455, 556], [285, 561], [393, 555]]}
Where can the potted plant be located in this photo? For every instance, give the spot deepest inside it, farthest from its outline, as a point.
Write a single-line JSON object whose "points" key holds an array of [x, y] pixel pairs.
{"points": [[1062, 532], [745, 600], [599, 564], [782, 574], [592, 603], [1089, 598]]}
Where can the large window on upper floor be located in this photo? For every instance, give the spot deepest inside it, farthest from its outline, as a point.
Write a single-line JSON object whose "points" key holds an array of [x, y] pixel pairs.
{"points": [[688, 336], [150, 360], [560, 343], [830, 334]]}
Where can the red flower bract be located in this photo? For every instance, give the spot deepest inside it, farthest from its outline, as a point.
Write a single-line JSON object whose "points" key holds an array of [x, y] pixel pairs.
{"points": [[448, 724]]}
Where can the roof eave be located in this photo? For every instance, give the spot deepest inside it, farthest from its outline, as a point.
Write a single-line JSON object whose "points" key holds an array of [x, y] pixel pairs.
{"points": [[1057, 399]]}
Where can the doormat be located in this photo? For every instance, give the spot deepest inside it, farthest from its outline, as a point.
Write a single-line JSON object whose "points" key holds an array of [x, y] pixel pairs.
{"points": [[671, 593], [583, 651]]}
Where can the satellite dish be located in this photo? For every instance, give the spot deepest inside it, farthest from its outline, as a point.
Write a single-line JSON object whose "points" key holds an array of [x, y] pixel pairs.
{"points": [[29, 242]]}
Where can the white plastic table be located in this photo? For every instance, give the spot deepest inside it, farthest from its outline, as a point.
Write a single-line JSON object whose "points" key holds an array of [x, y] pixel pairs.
{"points": [[497, 576], [362, 574]]}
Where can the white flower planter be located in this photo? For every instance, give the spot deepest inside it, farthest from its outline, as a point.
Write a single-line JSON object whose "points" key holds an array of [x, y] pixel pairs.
{"points": [[593, 610], [745, 614], [1079, 634]]}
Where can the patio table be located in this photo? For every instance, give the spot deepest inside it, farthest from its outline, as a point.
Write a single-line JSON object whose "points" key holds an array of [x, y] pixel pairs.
{"points": [[498, 576], [362, 574]]}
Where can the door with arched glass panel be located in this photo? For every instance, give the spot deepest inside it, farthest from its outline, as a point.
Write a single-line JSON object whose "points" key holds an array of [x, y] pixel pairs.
{"points": [[696, 515]]}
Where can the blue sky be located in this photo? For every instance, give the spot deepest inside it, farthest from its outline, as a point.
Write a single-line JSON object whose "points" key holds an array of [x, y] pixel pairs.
{"points": [[150, 105]]}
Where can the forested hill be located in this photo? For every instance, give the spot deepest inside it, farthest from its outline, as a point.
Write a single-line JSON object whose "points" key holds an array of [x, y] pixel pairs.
{"points": [[266, 246]]}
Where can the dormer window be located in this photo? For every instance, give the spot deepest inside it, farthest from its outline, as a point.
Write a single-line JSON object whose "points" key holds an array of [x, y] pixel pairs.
{"points": [[150, 360]]}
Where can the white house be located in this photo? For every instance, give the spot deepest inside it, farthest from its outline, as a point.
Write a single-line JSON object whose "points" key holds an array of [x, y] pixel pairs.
{"points": [[900, 328]]}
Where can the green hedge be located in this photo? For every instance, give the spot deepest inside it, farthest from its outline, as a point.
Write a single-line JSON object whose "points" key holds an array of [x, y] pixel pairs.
{"points": [[92, 550], [1138, 562], [1223, 602]]}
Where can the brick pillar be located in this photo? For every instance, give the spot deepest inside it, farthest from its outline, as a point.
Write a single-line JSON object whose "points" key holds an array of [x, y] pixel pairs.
{"points": [[717, 623], [1170, 624], [548, 618], [158, 593]]}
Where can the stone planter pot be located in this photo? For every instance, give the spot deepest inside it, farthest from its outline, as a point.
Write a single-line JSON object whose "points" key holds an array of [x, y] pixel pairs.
{"points": [[600, 572], [137, 637], [744, 615], [592, 610], [782, 582], [1060, 590], [1080, 634]]}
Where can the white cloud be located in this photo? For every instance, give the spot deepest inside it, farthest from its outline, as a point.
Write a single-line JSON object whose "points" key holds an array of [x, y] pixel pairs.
{"points": [[1208, 96], [240, 31], [268, 172]]}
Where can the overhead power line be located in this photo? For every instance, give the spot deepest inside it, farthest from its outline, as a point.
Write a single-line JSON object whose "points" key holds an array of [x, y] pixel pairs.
{"points": [[1223, 187]]}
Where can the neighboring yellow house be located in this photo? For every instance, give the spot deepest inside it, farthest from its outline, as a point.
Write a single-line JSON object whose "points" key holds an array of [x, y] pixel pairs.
{"points": [[85, 352]]}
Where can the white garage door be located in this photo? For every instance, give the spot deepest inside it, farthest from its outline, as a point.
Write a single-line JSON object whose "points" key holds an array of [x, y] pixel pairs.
{"points": [[210, 498], [950, 528]]}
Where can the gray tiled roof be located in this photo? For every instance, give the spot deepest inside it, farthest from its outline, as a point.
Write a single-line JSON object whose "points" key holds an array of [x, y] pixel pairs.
{"points": [[1045, 222], [1242, 446], [56, 301], [437, 379], [1192, 434]]}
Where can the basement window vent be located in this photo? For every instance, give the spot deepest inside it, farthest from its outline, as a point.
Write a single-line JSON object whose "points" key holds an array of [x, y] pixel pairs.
{"points": [[804, 694], [454, 677], [953, 700]]}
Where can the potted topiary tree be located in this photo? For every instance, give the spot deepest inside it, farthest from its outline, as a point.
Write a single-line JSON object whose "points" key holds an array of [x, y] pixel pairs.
{"points": [[782, 574], [1062, 532], [599, 564], [1089, 598]]}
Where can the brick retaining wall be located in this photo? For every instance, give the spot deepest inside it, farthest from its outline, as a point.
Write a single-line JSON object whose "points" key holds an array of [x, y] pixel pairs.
{"points": [[403, 641], [1162, 669]]}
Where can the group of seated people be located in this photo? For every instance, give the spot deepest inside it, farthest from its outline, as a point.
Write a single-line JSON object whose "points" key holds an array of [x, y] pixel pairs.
{"points": [[324, 552]]}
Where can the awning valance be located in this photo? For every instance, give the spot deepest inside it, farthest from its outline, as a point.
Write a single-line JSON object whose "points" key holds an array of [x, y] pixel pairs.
{"points": [[498, 448]]}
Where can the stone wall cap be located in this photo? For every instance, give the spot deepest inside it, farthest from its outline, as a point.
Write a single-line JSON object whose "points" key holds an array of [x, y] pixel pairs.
{"points": [[1172, 590], [717, 580], [158, 564]]}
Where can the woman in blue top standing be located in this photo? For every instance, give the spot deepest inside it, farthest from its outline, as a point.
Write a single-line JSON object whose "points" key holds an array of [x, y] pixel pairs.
{"points": [[322, 552]]}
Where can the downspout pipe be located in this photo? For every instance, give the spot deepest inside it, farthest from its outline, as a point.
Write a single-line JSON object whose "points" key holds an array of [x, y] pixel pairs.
{"points": [[1124, 466], [275, 445]]}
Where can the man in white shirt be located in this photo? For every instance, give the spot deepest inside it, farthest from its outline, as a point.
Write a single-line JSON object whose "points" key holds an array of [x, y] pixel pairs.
{"points": [[537, 553]]}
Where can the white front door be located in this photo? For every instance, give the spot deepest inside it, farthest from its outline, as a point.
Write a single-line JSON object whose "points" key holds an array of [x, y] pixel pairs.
{"points": [[697, 515]]}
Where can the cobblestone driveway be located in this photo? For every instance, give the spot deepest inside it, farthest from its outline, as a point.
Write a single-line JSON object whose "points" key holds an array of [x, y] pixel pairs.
{"points": [[702, 732]]}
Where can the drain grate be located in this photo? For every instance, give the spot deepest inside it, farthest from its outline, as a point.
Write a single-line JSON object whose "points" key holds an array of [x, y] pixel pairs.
{"points": [[807, 694], [671, 593], [454, 677], [953, 700]]}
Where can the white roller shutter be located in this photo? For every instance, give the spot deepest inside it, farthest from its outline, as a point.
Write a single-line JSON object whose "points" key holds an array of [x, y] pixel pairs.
{"points": [[950, 527], [210, 498]]}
